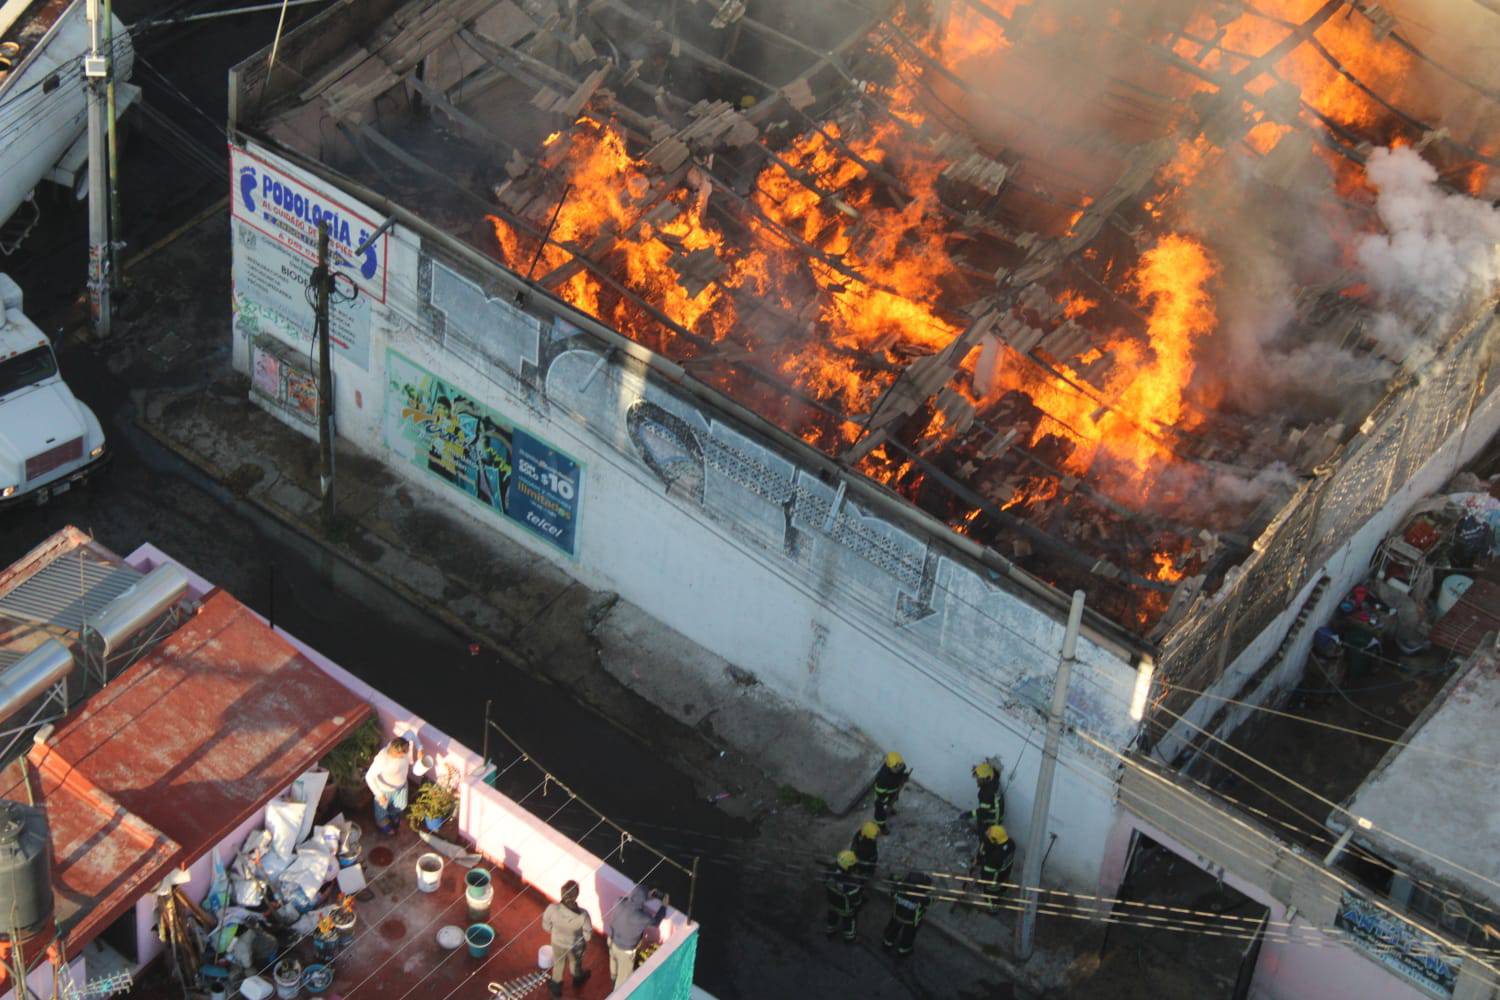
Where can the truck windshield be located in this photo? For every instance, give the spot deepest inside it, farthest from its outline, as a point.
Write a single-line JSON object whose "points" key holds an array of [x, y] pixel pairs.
{"points": [[26, 368]]}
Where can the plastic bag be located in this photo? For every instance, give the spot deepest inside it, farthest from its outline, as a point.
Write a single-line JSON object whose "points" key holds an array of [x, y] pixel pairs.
{"points": [[218, 886]]}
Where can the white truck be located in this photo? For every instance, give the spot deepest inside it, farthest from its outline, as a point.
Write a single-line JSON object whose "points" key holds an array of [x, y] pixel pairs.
{"points": [[49, 441]]}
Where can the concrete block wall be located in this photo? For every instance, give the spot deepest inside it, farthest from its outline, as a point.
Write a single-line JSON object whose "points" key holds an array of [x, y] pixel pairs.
{"points": [[726, 540]]}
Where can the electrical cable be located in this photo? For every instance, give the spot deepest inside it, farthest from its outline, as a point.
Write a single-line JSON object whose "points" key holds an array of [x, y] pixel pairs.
{"points": [[945, 685]]}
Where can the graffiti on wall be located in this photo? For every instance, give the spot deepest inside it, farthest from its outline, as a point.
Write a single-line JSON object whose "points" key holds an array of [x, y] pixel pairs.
{"points": [[457, 439], [279, 380], [1397, 944], [902, 581], [851, 558]]}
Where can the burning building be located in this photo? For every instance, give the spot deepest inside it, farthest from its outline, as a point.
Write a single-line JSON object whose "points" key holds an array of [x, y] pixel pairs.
{"points": [[895, 322]]}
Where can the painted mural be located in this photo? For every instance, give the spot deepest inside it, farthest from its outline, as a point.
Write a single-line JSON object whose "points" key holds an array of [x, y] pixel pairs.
{"points": [[457, 439]]}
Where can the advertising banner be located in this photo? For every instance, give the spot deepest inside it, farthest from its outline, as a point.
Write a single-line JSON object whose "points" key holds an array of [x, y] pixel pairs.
{"points": [[451, 435], [274, 215]]}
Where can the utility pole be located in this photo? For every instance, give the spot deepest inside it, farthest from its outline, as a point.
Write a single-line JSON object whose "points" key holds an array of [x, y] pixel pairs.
{"points": [[96, 69], [322, 281], [115, 226], [1031, 851]]}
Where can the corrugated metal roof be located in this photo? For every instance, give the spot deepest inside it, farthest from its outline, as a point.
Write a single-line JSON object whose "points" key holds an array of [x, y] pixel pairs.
{"points": [[67, 591]]}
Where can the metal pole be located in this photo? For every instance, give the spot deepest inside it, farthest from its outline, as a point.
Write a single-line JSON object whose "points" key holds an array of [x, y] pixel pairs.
{"points": [[1031, 850], [115, 227], [322, 278], [484, 753], [692, 887], [96, 71]]}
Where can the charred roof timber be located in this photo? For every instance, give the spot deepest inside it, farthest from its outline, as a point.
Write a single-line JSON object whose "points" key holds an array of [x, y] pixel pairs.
{"points": [[1103, 294]]}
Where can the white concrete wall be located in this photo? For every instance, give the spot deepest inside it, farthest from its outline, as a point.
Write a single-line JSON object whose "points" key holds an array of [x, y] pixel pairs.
{"points": [[726, 540]]}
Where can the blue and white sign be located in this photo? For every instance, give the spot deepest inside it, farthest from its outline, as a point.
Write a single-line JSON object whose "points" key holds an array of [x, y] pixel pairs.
{"points": [[274, 216], [543, 493]]}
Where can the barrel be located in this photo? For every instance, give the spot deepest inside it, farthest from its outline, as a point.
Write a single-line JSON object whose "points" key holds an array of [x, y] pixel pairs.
{"points": [[25, 870]]}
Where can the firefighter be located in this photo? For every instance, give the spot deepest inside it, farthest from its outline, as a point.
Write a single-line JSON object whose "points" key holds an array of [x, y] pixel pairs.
{"points": [[889, 781], [846, 894], [997, 853], [908, 908], [866, 850], [991, 807]]}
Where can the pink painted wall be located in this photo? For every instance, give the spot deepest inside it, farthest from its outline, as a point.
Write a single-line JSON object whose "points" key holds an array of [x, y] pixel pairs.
{"points": [[1328, 968]]}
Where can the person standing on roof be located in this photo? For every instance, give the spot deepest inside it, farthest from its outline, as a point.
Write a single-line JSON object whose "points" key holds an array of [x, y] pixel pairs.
{"points": [[570, 927], [991, 807], [889, 781], [846, 894], [908, 909], [996, 857], [627, 925], [866, 850], [386, 778]]}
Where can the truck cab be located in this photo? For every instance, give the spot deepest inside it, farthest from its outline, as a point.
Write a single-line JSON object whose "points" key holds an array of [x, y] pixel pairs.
{"points": [[49, 441]]}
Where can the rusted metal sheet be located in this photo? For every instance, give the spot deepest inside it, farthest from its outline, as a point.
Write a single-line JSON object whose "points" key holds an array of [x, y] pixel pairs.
{"points": [[1475, 616]]}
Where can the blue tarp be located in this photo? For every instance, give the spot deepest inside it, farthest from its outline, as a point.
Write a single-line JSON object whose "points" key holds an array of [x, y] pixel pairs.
{"points": [[673, 979]]}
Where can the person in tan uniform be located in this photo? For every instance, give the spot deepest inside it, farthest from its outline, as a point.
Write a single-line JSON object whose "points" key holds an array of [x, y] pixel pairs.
{"points": [[570, 927]]}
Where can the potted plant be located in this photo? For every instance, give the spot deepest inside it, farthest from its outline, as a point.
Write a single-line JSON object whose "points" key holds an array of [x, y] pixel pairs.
{"points": [[347, 763], [435, 802]]}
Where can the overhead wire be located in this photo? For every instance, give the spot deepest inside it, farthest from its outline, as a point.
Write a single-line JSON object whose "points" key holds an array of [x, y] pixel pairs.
{"points": [[1036, 647], [1109, 790], [974, 607]]}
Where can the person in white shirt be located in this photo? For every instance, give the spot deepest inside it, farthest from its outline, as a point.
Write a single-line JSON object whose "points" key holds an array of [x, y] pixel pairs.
{"points": [[387, 778]]}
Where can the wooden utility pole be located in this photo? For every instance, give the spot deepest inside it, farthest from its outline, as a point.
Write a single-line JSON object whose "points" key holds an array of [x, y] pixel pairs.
{"points": [[1031, 849], [322, 281], [96, 70]]}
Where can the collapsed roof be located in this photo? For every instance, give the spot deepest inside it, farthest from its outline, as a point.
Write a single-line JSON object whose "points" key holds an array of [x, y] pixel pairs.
{"points": [[1093, 283]]}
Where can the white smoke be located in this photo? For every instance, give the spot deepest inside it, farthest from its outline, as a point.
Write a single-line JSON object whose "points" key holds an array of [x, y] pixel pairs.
{"points": [[1439, 249]]}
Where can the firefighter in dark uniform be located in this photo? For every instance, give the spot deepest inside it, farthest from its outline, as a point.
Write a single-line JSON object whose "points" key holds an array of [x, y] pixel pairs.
{"points": [[866, 850], [991, 807], [889, 781], [997, 854], [908, 908], [846, 894]]}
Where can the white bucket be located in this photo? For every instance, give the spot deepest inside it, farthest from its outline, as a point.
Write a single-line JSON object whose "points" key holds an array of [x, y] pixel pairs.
{"points": [[1452, 589], [422, 765], [544, 957], [429, 871]]}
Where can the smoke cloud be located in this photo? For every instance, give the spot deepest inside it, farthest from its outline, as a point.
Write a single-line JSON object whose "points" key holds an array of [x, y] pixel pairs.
{"points": [[1438, 249]]}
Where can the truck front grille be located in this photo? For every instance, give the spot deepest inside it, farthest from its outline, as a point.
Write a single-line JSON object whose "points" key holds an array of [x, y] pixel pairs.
{"points": [[52, 458]]}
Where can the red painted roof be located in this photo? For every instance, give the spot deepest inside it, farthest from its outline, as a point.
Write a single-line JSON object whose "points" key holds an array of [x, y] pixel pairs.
{"points": [[175, 753]]}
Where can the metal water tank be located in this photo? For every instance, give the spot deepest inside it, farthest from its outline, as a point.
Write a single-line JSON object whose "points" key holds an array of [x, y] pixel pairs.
{"points": [[25, 870]]}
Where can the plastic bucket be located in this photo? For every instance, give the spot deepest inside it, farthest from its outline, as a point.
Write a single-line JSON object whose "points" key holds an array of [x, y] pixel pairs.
{"points": [[544, 957], [429, 871], [479, 938], [288, 979], [317, 978], [1453, 588], [479, 893]]}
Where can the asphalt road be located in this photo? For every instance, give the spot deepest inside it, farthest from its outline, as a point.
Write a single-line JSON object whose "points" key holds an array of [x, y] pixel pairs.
{"points": [[761, 933]]}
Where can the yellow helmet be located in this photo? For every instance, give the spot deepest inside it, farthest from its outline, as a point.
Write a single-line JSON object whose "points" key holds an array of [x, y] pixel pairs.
{"points": [[870, 830], [996, 834], [846, 860], [893, 760], [984, 771]]}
